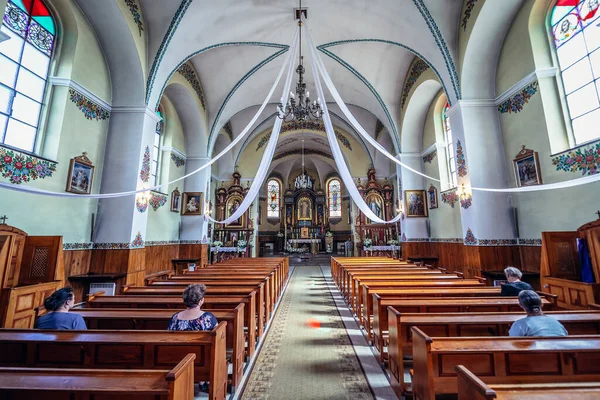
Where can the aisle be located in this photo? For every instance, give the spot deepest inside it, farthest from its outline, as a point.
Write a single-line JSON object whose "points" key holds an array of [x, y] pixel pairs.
{"points": [[304, 360]]}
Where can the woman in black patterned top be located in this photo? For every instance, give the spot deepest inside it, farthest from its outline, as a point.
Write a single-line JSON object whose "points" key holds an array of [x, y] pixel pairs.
{"points": [[193, 318]]}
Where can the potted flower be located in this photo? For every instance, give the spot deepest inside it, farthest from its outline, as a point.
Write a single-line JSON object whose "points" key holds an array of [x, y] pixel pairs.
{"points": [[328, 234], [217, 244], [367, 244], [392, 242], [241, 245]]}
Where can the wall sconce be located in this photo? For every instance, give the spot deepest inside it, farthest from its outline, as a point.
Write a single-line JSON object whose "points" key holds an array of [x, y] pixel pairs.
{"points": [[466, 199], [141, 201]]}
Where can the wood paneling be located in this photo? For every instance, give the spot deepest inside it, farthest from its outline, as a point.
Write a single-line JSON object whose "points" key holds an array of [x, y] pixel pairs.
{"points": [[158, 258], [77, 262], [21, 301]]}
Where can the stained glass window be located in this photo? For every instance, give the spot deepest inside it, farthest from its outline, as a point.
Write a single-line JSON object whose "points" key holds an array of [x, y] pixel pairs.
{"points": [[273, 199], [156, 150], [334, 195], [576, 31], [24, 62], [449, 147]]}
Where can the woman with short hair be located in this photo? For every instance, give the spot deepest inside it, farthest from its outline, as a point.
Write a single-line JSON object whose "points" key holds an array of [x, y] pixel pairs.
{"points": [[58, 317], [514, 286], [536, 323], [193, 318]]}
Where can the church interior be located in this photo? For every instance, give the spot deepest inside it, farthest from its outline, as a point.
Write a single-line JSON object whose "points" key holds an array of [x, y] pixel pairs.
{"points": [[350, 182]]}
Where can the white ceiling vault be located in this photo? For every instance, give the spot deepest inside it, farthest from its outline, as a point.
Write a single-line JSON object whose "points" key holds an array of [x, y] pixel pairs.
{"points": [[238, 46]]}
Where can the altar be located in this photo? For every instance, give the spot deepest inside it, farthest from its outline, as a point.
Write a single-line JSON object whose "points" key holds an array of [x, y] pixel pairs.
{"points": [[382, 251], [315, 244]]}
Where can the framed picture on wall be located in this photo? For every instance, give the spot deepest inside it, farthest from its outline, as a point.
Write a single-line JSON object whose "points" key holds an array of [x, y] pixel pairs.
{"points": [[433, 197], [527, 168], [175, 200], [416, 203], [81, 175], [192, 203]]}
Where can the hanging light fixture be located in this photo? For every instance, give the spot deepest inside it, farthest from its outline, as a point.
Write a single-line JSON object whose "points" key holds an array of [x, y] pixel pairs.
{"points": [[299, 107], [303, 181]]}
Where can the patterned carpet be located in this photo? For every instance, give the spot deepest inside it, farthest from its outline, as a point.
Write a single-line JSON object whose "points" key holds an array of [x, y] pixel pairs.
{"points": [[307, 353]]}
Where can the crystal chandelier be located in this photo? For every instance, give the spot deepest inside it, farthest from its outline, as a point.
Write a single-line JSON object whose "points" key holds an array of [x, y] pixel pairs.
{"points": [[299, 108]]}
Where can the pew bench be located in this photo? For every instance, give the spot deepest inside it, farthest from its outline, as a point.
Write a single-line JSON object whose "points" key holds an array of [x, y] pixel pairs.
{"points": [[470, 387], [89, 384], [501, 360]]}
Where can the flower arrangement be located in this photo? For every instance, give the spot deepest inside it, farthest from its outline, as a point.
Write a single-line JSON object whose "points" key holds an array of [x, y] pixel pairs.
{"points": [[241, 244], [328, 234], [217, 243], [392, 242], [280, 234], [367, 243]]}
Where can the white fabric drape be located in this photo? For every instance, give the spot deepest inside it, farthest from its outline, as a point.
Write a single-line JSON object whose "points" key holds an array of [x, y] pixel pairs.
{"points": [[335, 147], [242, 135], [340, 102], [265, 162]]}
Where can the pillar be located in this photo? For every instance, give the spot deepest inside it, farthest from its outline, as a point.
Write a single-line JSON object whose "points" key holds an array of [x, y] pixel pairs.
{"points": [[486, 216]]}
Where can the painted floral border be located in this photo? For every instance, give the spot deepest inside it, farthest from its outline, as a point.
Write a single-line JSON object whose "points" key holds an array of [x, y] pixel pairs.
{"points": [[89, 108], [428, 158], [145, 170], [470, 239], [450, 197], [138, 241], [157, 200], [228, 130], [461, 163], [585, 159], [189, 74], [467, 14], [135, 12], [517, 102], [21, 168], [417, 69], [179, 161]]}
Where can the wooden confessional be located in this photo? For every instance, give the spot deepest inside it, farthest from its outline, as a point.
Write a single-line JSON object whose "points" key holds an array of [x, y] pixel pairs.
{"points": [[31, 269], [561, 270]]}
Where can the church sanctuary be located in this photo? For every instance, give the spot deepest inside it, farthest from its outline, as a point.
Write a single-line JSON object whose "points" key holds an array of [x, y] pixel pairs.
{"points": [[300, 199]]}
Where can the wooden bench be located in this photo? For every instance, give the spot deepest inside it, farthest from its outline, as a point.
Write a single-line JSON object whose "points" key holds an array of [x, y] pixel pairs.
{"points": [[119, 350], [470, 387], [150, 319], [351, 276], [84, 384], [342, 273], [382, 307], [500, 360]]}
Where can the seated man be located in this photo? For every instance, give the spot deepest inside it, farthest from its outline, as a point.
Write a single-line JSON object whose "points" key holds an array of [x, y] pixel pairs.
{"points": [[536, 323], [58, 317], [514, 285]]}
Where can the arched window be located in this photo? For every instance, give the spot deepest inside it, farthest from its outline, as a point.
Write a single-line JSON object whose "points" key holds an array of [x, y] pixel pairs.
{"points": [[24, 63], [156, 150], [274, 193], [451, 165], [334, 196], [577, 40]]}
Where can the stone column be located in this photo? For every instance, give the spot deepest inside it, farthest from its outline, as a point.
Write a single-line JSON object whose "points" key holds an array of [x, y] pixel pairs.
{"points": [[195, 227], [412, 227], [477, 134], [121, 221]]}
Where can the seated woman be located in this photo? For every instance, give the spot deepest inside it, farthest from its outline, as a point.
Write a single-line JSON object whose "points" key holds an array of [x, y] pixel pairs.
{"points": [[58, 316], [193, 318], [514, 285], [536, 323]]}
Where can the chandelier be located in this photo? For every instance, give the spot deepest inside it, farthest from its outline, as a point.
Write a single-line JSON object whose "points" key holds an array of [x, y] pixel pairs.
{"points": [[299, 108], [303, 181]]}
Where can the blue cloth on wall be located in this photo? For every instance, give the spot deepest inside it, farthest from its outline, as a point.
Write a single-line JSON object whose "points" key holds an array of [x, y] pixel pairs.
{"points": [[584, 260]]}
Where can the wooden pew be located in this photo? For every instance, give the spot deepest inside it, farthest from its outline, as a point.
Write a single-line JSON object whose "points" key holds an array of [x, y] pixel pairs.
{"points": [[471, 324], [251, 316], [150, 319], [350, 275], [431, 305], [119, 349], [470, 387], [275, 284], [342, 273], [89, 384], [501, 360]]}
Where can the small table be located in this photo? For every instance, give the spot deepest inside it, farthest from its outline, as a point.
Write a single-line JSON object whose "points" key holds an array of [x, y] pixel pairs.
{"points": [[179, 264]]}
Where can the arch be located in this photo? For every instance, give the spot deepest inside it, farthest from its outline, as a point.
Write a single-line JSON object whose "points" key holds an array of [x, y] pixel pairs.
{"points": [[194, 127], [123, 61], [414, 116], [32, 30], [478, 76]]}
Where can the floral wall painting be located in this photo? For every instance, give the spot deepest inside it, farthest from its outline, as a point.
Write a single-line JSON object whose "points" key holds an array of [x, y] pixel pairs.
{"points": [[517, 102], [527, 168], [89, 109], [428, 158], [179, 161], [137, 242], [141, 204], [157, 200], [470, 239], [19, 167], [192, 203], [175, 200], [145, 170], [81, 175], [416, 203], [433, 197], [461, 163], [585, 159], [450, 197]]}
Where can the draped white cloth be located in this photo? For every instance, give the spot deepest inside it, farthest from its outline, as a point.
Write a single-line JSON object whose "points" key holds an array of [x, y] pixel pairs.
{"points": [[265, 162], [242, 135], [340, 102]]}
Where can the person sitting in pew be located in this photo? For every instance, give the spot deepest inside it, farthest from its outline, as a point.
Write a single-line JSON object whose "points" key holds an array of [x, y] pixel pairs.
{"points": [[536, 323], [193, 318], [514, 285], [58, 317]]}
